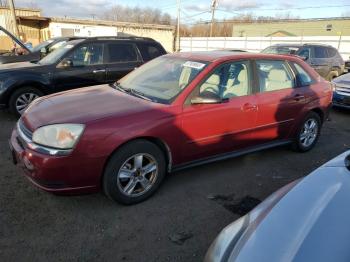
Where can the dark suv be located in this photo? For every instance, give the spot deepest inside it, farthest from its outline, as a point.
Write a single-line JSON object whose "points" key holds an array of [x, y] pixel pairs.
{"points": [[325, 59], [77, 63]]}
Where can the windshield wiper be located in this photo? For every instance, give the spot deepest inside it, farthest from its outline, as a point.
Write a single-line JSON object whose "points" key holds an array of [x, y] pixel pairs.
{"points": [[120, 88], [139, 94], [131, 91]]}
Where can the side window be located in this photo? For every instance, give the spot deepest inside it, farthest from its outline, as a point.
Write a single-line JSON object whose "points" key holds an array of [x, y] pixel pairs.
{"points": [[121, 52], [331, 52], [304, 52], [85, 55], [303, 78], [229, 80], [273, 75], [149, 51], [320, 52]]}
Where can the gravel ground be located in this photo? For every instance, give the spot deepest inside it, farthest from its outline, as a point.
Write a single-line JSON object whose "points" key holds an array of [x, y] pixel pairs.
{"points": [[177, 224]]}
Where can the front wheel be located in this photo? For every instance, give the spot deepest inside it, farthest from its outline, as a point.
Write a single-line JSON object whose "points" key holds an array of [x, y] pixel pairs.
{"points": [[22, 98], [308, 133], [134, 172]]}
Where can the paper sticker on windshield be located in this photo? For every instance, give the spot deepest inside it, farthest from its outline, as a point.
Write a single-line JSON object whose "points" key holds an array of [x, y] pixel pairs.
{"points": [[194, 65], [69, 46]]}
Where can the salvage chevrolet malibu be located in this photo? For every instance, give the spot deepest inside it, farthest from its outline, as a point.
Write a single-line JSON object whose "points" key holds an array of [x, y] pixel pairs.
{"points": [[176, 111]]}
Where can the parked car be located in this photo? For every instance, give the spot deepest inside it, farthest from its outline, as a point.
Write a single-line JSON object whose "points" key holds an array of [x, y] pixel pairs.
{"points": [[347, 66], [78, 63], [307, 220], [341, 94], [325, 59], [176, 111]]}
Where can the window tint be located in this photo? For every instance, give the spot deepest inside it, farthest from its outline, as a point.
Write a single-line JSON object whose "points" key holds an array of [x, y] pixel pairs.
{"points": [[230, 80], [149, 51], [320, 52], [120, 52], [304, 78], [273, 75], [89, 54]]}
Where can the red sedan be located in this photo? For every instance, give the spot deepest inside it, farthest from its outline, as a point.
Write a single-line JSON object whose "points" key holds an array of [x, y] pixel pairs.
{"points": [[176, 111]]}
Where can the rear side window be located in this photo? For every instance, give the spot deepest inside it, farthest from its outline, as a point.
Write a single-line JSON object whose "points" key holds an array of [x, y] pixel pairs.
{"points": [[121, 52], [331, 52], [304, 79], [274, 75], [320, 52], [149, 51]]}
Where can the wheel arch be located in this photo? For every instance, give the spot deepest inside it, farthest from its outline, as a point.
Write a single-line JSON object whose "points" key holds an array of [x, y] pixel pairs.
{"points": [[320, 113], [35, 84], [157, 141]]}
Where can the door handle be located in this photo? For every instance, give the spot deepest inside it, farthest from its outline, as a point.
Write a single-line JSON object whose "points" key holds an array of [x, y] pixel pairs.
{"points": [[99, 71], [249, 107]]}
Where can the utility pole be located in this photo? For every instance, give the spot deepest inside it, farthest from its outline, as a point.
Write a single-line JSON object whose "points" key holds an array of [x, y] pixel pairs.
{"points": [[13, 14], [213, 6], [178, 26]]}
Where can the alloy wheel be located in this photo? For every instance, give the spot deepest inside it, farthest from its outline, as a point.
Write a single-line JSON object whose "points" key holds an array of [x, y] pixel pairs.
{"points": [[24, 100], [309, 132], [137, 175]]}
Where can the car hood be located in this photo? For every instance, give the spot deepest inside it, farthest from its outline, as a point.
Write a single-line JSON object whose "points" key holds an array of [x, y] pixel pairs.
{"points": [[309, 223], [83, 105], [342, 80]]}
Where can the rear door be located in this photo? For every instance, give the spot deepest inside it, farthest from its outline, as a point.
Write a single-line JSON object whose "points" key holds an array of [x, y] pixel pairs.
{"points": [[212, 129], [279, 101], [320, 61], [122, 58], [87, 68]]}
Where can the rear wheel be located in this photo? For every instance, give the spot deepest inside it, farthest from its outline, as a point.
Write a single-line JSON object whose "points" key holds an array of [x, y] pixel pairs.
{"points": [[332, 75], [308, 133], [22, 98], [134, 172]]}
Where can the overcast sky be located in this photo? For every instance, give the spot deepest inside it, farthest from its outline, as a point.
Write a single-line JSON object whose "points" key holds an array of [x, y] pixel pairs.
{"points": [[226, 8]]}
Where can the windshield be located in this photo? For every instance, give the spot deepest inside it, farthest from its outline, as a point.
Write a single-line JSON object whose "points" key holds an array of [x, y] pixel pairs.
{"points": [[42, 45], [162, 79], [56, 55], [280, 50]]}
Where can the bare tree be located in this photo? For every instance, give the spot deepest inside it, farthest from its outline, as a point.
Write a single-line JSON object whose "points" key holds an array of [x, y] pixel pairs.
{"points": [[137, 15]]}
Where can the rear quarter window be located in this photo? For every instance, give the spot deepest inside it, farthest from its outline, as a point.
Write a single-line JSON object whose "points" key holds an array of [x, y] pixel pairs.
{"points": [[150, 51], [303, 78]]}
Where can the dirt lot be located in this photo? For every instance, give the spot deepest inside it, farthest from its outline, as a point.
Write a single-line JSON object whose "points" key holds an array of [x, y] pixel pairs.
{"points": [[37, 226]]}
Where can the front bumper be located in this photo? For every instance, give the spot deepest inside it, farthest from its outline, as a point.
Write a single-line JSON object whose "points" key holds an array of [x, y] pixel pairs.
{"points": [[341, 100], [56, 174]]}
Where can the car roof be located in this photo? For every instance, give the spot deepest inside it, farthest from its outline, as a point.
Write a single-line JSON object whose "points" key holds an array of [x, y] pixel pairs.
{"points": [[216, 56]]}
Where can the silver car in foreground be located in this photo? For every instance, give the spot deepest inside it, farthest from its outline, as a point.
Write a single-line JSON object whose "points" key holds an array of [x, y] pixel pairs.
{"points": [[307, 220]]}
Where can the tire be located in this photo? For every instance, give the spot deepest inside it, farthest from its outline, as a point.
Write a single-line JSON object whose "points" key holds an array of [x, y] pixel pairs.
{"points": [[332, 75], [300, 143], [126, 180], [17, 99]]}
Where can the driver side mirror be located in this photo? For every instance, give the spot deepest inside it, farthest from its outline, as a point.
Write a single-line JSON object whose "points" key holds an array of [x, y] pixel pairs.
{"points": [[206, 98], [65, 63], [305, 58]]}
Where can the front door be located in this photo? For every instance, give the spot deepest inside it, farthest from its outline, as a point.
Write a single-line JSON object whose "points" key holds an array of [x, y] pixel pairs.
{"points": [[87, 68], [211, 129]]}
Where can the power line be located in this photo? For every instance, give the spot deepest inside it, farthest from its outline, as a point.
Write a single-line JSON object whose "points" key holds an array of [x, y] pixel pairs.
{"points": [[283, 9]]}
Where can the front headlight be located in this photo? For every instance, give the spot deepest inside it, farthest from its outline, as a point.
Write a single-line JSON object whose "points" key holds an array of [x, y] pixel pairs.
{"points": [[61, 136]]}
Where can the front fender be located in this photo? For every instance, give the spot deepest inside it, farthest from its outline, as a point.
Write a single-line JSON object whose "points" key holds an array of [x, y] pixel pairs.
{"points": [[12, 82]]}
